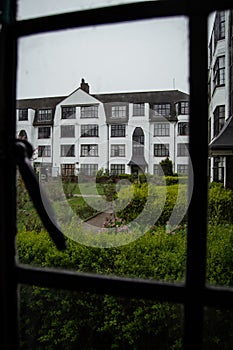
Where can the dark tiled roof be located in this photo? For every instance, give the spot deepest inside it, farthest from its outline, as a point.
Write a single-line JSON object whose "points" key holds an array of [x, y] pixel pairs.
{"points": [[37, 103], [145, 96]]}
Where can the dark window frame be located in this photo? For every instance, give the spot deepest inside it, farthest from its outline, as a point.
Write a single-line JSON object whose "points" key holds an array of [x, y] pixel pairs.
{"points": [[118, 130], [161, 150], [67, 131], [219, 119], [89, 130], [44, 132], [11, 272], [23, 114], [67, 150]]}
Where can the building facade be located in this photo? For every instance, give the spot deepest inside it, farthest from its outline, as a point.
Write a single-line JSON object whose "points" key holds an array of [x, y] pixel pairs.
{"points": [[221, 99], [121, 132]]}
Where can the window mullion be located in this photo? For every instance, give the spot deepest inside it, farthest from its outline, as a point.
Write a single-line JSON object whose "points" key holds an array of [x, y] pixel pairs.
{"points": [[196, 240]]}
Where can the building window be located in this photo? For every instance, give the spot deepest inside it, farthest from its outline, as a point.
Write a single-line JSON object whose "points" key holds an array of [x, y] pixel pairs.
{"points": [[117, 150], [161, 129], [182, 169], [89, 150], [118, 130], [67, 131], [89, 112], [67, 151], [161, 150], [44, 132], [23, 114], [138, 109], [67, 169], [182, 108], [68, 112], [44, 151], [117, 169], [119, 111], [183, 128], [182, 149], [219, 71], [88, 169], [163, 109], [157, 170], [219, 119], [44, 115], [219, 26], [218, 169], [89, 130]]}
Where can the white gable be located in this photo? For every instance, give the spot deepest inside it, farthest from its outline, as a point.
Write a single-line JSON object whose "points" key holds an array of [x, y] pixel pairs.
{"points": [[79, 97]]}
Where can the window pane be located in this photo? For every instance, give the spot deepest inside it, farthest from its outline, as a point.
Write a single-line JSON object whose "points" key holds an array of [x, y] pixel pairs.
{"points": [[88, 321], [114, 138], [31, 8]]}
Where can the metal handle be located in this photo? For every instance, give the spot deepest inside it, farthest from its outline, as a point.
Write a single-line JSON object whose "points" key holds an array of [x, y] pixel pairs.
{"points": [[24, 153]]}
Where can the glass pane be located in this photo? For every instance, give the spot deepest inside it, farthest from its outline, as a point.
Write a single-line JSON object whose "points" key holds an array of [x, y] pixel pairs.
{"points": [[111, 151], [69, 320], [218, 330], [31, 8], [220, 145]]}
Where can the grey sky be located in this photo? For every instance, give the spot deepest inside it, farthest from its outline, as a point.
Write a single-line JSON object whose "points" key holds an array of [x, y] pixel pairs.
{"points": [[138, 56]]}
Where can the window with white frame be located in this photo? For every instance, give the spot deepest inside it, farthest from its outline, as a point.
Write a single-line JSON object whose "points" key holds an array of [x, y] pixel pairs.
{"points": [[117, 150], [161, 129], [89, 111], [88, 169], [138, 109], [117, 169], [67, 151], [44, 151], [161, 150], [182, 169], [89, 130], [23, 114], [182, 149], [44, 132], [157, 170], [162, 109], [68, 112], [89, 150], [119, 111], [67, 131], [45, 115], [118, 130]]}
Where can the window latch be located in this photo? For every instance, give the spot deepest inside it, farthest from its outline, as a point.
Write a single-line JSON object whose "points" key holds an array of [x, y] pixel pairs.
{"points": [[24, 152]]}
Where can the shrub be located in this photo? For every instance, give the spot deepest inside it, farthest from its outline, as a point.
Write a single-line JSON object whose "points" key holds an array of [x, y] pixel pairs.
{"points": [[220, 206]]}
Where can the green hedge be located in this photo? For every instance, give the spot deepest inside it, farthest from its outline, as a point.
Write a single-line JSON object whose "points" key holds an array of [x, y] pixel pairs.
{"points": [[58, 319]]}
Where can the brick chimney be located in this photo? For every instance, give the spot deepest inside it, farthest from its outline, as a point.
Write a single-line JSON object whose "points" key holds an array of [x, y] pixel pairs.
{"points": [[84, 86]]}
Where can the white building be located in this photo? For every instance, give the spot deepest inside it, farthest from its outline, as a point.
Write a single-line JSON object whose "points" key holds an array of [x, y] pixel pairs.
{"points": [[121, 132], [221, 99]]}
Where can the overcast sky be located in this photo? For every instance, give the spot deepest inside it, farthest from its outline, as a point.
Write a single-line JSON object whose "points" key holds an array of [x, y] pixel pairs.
{"points": [[138, 56]]}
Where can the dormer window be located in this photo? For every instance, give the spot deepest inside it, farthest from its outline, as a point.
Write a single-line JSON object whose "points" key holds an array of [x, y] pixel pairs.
{"points": [[119, 111], [44, 115], [182, 108], [23, 114], [162, 109]]}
